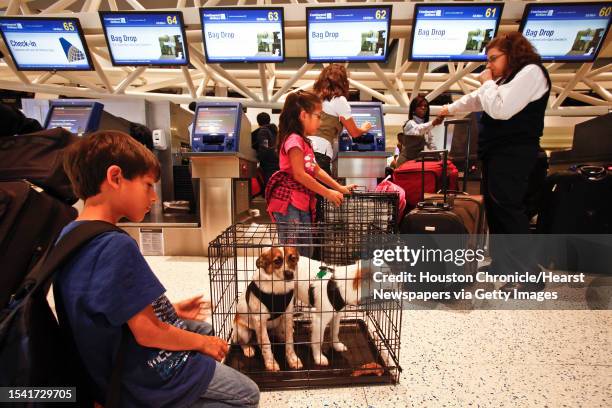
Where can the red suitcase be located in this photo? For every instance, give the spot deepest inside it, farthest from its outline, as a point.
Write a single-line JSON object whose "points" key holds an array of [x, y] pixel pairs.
{"points": [[409, 177]]}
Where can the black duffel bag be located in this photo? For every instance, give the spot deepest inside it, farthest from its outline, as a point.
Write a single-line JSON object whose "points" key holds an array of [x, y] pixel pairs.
{"points": [[37, 157]]}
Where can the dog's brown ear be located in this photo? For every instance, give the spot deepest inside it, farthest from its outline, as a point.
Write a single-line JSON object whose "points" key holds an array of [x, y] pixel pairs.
{"points": [[291, 255], [264, 260]]}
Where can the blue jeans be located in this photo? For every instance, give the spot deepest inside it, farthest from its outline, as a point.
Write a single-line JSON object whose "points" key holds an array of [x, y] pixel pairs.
{"points": [[228, 387], [289, 231]]}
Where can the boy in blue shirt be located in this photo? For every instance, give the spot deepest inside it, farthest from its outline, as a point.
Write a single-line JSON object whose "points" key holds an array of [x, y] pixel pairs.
{"points": [[169, 362]]}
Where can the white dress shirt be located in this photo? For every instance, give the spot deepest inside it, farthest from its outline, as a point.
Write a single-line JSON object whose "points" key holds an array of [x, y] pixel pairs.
{"points": [[505, 100]]}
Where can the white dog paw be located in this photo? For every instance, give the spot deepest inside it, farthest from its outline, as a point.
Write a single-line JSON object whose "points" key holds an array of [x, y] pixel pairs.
{"points": [[294, 362], [248, 351], [321, 360], [340, 347], [272, 366]]}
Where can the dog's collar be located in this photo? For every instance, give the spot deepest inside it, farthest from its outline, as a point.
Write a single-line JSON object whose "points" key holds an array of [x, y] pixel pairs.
{"points": [[323, 270], [276, 303]]}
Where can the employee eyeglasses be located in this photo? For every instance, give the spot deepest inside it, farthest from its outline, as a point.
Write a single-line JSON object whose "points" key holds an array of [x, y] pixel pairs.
{"points": [[494, 58]]}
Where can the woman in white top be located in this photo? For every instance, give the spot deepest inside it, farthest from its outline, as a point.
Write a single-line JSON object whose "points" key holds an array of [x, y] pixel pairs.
{"points": [[417, 131], [513, 98], [332, 87]]}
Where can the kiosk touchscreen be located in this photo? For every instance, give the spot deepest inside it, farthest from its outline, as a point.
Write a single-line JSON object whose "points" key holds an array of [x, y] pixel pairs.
{"points": [[81, 117], [221, 127], [78, 118], [568, 32], [453, 32], [374, 139]]}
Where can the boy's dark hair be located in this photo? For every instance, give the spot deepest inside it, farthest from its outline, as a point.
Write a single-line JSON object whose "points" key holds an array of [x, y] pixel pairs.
{"points": [[414, 104], [289, 120], [263, 119], [87, 161]]}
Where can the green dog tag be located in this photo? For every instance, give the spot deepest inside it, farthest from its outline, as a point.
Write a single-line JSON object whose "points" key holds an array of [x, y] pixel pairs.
{"points": [[323, 271]]}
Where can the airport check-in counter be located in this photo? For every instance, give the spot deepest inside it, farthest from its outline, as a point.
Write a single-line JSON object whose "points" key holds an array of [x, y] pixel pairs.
{"points": [[161, 232], [362, 160], [224, 162]]}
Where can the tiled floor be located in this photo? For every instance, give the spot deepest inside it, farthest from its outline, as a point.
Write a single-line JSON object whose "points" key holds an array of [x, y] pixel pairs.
{"points": [[463, 358]]}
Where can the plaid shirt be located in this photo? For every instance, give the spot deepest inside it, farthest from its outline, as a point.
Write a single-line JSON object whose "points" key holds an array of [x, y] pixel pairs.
{"points": [[279, 189]]}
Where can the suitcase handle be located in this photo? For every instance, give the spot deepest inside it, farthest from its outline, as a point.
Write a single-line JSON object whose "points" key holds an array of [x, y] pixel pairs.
{"points": [[434, 206], [466, 122], [453, 192], [592, 173], [444, 154]]}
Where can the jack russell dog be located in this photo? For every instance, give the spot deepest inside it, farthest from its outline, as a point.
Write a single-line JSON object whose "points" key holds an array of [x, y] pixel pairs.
{"points": [[267, 304], [328, 291]]}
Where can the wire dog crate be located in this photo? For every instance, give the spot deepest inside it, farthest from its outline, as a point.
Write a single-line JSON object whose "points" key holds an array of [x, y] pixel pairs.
{"points": [[364, 209], [358, 212], [249, 261]]}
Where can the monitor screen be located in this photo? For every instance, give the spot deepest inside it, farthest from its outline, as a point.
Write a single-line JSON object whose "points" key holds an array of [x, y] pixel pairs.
{"points": [[144, 39], [567, 32], [72, 118], [368, 113], [453, 32], [46, 44], [243, 34], [348, 33], [216, 120]]}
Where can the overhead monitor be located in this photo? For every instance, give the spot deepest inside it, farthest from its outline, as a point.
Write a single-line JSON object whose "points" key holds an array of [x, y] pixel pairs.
{"points": [[352, 33], [373, 139], [453, 32], [145, 38], [244, 34], [76, 117], [46, 44], [567, 32]]}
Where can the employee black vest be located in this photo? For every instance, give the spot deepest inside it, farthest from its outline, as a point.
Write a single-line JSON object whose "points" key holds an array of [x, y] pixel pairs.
{"points": [[524, 128]]}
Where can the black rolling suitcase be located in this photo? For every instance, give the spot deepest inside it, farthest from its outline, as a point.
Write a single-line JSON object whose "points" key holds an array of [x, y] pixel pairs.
{"points": [[576, 207], [30, 220], [451, 212], [577, 202], [38, 158], [455, 214]]}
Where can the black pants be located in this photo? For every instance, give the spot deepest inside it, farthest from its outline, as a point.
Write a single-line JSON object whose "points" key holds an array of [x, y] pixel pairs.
{"points": [[505, 184], [268, 162]]}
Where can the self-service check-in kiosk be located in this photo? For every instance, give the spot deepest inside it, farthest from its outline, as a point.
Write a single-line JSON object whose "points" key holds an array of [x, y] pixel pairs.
{"points": [[362, 160], [81, 117], [162, 232], [224, 162]]}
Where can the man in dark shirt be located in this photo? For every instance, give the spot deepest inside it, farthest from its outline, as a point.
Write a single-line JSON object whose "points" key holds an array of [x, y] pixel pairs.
{"points": [[263, 140]]}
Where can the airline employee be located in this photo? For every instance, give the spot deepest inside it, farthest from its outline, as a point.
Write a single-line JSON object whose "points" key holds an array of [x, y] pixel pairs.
{"points": [[513, 96]]}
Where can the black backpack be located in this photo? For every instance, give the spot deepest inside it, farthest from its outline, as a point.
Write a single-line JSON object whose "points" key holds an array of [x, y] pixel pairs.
{"points": [[35, 351], [38, 157], [30, 221]]}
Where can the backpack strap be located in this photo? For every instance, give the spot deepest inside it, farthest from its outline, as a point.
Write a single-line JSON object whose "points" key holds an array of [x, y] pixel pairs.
{"points": [[71, 242], [74, 240]]}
